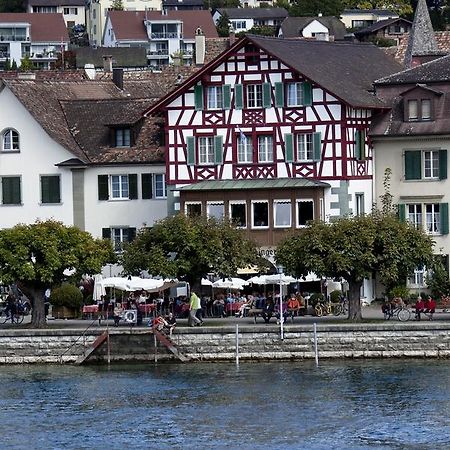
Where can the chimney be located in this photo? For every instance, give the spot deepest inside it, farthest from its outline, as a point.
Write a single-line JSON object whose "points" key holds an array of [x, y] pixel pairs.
{"points": [[107, 63], [232, 37], [117, 77], [89, 70], [200, 47], [26, 75]]}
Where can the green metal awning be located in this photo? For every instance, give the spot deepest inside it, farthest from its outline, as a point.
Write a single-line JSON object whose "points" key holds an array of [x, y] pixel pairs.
{"points": [[230, 185]]}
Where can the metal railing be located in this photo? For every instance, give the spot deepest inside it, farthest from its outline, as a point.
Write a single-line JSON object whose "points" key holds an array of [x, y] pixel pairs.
{"points": [[166, 35], [158, 52], [83, 335]]}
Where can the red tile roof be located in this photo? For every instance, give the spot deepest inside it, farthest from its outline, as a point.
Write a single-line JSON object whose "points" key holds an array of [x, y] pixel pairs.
{"points": [[130, 24], [44, 27]]}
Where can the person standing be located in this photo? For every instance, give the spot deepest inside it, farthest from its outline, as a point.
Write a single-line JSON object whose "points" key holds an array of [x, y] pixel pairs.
{"points": [[194, 306]]}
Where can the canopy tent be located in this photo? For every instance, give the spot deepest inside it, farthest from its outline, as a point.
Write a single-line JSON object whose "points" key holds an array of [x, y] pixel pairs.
{"points": [[137, 284], [230, 283], [272, 279], [206, 282]]}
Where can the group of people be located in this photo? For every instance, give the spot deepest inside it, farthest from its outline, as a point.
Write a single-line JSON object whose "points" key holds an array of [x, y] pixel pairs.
{"points": [[425, 307]]}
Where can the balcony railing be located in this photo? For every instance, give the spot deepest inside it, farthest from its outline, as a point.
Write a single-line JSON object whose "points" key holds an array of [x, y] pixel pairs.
{"points": [[158, 52], [4, 55], [12, 38], [175, 35]]}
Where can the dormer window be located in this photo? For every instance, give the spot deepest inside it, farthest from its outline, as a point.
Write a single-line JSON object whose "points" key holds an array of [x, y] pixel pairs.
{"points": [[123, 137], [419, 110]]}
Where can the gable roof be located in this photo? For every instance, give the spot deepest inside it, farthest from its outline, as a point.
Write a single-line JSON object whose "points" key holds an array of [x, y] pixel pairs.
{"points": [[346, 70], [181, 3], [129, 25], [380, 25], [254, 13], [44, 27], [292, 26]]}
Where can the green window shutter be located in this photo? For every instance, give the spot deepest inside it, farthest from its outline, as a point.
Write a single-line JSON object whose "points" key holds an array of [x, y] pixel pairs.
{"points": [[444, 217], [103, 191], [307, 93], [267, 95], [317, 142], [198, 97], [218, 149], [147, 185], [50, 189], [106, 233], [131, 234], [132, 186], [279, 95], [238, 96], [289, 147], [402, 212], [360, 140], [413, 165], [442, 164], [190, 144], [11, 191], [226, 94]]}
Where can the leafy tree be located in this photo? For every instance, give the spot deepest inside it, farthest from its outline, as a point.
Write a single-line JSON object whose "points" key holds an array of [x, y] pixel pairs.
{"points": [[402, 7], [188, 248], [437, 278], [218, 4], [8, 6], [315, 7], [36, 257], [26, 64], [223, 26], [286, 4], [117, 5], [262, 30]]}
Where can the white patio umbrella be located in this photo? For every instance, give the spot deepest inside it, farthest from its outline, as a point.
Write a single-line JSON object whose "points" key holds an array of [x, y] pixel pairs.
{"points": [[206, 282], [115, 282], [146, 284], [272, 279], [99, 288], [230, 283]]}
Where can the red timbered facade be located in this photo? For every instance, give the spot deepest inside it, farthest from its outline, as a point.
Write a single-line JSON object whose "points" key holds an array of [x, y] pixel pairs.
{"points": [[294, 113]]}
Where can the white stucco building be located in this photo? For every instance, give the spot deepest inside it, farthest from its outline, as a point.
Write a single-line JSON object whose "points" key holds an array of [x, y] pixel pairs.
{"points": [[73, 11]]}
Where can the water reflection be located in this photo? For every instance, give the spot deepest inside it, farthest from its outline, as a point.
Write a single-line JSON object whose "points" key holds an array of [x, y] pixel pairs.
{"points": [[345, 405]]}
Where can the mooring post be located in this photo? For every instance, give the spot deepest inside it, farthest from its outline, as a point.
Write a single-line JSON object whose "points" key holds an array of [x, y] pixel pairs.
{"points": [[155, 343], [316, 353], [237, 344], [108, 343]]}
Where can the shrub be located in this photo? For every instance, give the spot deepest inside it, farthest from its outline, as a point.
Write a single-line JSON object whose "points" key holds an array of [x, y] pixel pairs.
{"points": [[399, 291], [335, 296], [315, 298], [67, 295]]}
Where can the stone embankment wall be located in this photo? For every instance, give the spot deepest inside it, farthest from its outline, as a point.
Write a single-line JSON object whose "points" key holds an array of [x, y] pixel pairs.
{"points": [[431, 339]]}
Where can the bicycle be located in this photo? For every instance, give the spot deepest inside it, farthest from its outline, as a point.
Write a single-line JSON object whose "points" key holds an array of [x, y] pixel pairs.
{"points": [[341, 307], [323, 309], [401, 312], [14, 318]]}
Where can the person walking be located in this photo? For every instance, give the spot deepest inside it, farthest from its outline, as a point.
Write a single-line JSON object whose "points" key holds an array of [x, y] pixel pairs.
{"points": [[194, 306]]}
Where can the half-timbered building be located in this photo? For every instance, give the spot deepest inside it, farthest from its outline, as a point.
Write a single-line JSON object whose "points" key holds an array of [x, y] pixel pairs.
{"points": [[272, 134]]}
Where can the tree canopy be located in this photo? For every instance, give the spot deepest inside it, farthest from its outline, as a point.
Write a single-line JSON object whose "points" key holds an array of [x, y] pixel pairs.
{"points": [[39, 256], [188, 248], [11, 6], [354, 248]]}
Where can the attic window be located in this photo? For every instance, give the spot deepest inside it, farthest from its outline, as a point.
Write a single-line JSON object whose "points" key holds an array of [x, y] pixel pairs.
{"points": [[122, 137], [251, 54], [419, 110]]}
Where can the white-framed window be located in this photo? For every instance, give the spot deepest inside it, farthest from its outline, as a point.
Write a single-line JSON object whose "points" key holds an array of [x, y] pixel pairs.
{"points": [[160, 188], [418, 277], [215, 209], [282, 213], [413, 110], [214, 97], [238, 213], [73, 11], [260, 214], [10, 140], [244, 148], [193, 209], [415, 214], [254, 96], [433, 218], [119, 236], [123, 137], [206, 150], [119, 187], [239, 24], [431, 164], [265, 148], [305, 212], [359, 203], [426, 109], [305, 147], [294, 94]]}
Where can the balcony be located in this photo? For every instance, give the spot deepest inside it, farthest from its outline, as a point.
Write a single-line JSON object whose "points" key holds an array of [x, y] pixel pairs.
{"points": [[44, 55], [13, 38], [4, 55], [158, 53], [165, 35]]}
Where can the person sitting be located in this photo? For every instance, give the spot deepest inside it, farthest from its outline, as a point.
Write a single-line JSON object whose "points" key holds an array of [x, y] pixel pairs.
{"points": [[157, 323], [293, 306], [170, 322], [219, 306], [419, 307], [267, 310], [117, 315], [430, 307], [246, 306]]}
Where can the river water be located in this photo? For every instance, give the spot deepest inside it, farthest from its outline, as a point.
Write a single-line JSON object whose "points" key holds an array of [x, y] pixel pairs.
{"points": [[362, 404]]}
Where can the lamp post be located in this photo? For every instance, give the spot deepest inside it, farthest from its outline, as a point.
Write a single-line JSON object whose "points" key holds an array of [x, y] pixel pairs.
{"points": [[280, 271]]}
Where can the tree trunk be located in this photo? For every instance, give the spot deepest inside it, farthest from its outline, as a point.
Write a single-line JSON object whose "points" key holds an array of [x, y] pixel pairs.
{"points": [[354, 300], [38, 311]]}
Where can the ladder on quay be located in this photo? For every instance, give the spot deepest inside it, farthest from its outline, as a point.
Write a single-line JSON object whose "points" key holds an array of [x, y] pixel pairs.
{"points": [[168, 343], [95, 345]]}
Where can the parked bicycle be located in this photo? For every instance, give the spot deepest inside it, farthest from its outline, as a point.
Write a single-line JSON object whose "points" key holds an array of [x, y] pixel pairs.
{"points": [[400, 312], [323, 309], [341, 307], [16, 317]]}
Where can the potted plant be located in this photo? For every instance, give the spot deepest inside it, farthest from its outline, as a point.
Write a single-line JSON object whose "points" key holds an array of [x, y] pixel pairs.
{"points": [[66, 301]]}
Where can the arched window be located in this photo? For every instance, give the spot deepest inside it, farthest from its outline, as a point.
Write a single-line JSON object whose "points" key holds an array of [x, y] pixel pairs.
{"points": [[10, 140]]}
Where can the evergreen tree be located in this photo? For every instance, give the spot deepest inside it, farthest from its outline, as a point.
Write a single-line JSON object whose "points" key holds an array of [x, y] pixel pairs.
{"points": [[26, 64], [7, 64], [14, 65], [223, 26], [117, 5]]}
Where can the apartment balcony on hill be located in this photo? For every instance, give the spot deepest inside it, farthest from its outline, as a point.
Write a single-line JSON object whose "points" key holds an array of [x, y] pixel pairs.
{"points": [[11, 34]]}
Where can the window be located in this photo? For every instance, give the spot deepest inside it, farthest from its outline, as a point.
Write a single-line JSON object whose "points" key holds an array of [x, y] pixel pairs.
{"points": [[50, 189], [433, 218], [206, 150], [238, 214], [11, 192], [260, 214], [426, 164], [251, 54], [265, 149], [413, 110], [418, 278], [68, 11], [254, 96], [215, 98], [294, 94], [244, 148], [10, 140], [415, 214], [426, 109], [305, 212], [119, 236], [305, 147], [193, 209], [431, 164], [160, 185], [119, 187], [239, 24], [282, 213], [216, 210], [123, 137], [419, 110], [359, 204]]}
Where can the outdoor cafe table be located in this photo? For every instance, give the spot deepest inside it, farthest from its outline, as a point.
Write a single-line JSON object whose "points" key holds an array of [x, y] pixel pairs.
{"points": [[90, 310], [146, 308], [233, 307]]}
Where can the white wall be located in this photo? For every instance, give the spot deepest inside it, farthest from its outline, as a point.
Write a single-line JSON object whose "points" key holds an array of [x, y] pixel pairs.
{"points": [[314, 27]]}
